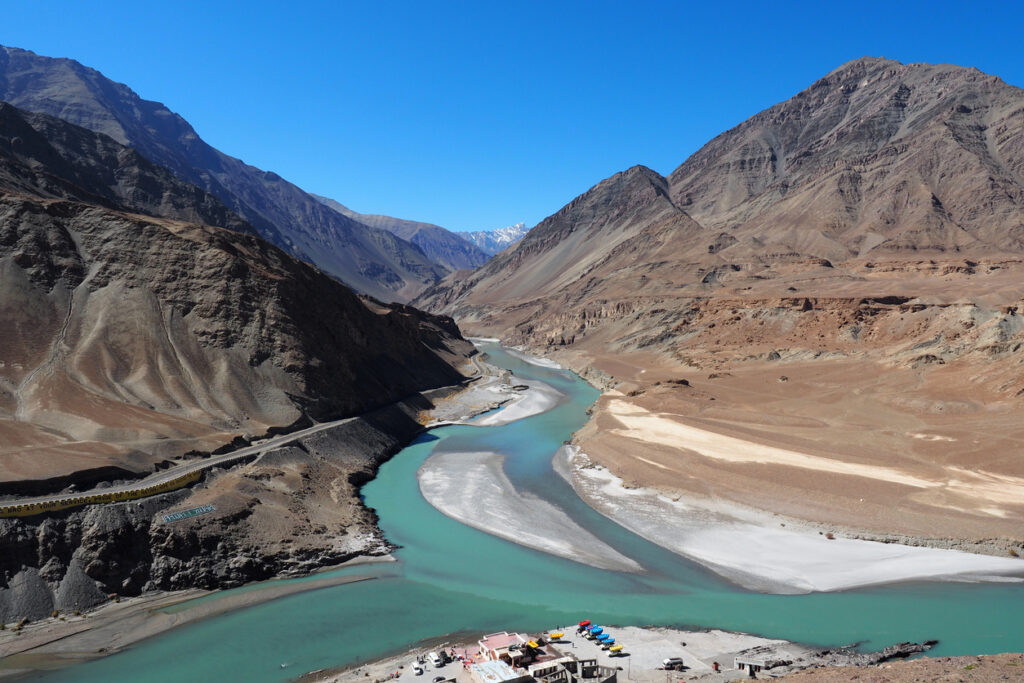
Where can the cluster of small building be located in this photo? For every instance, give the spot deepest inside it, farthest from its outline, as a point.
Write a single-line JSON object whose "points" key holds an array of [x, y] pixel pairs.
{"points": [[520, 658], [517, 658]]}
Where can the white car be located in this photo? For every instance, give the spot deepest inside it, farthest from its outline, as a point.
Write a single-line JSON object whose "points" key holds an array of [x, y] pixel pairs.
{"points": [[435, 659]]}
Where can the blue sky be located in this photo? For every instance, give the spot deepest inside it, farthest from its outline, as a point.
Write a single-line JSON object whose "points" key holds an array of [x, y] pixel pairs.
{"points": [[475, 115]]}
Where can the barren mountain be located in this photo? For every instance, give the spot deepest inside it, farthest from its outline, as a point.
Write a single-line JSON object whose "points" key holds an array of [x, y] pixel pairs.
{"points": [[442, 246], [372, 261], [48, 157], [876, 158], [130, 338], [135, 338], [839, 276]]}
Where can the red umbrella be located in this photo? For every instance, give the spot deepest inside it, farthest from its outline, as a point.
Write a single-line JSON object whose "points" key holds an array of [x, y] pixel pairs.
{"points": [[585, 623]]}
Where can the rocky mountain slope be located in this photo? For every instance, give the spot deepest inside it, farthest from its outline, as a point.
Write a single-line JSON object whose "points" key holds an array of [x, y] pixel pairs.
{"points": [[839, 275], [370, 260], [875, 158], [132, 338], [293, 511], [443, 247], [136, 337], [499, 239], [46, 157], [880, 179]]}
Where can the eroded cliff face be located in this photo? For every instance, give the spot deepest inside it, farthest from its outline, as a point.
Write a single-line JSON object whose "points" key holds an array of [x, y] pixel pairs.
{"points": [[294, 510]]}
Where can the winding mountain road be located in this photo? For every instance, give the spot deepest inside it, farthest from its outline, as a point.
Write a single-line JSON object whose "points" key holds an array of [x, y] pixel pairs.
{"points": [[138, 488], [182, 470]]}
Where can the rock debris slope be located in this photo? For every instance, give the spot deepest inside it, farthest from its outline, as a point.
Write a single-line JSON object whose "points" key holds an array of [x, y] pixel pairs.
{"points": [[372, 261]]}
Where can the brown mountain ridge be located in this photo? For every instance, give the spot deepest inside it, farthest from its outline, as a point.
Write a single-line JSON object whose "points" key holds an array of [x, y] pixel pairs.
{"points": [[840, 275]]}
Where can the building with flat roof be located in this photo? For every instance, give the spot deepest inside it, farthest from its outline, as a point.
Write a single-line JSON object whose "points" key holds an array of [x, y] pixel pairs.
{"points": [[496, 671], [506, 647]]}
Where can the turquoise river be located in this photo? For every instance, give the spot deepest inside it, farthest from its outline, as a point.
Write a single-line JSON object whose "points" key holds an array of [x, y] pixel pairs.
{"points": [[451, 579]]}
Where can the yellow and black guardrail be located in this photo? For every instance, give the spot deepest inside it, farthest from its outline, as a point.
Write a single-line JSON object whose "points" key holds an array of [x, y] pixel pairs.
{"points": [[28, 509]]}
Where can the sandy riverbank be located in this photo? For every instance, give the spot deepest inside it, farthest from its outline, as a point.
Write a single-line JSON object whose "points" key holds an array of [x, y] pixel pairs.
{"points": [[760, 552], [52, 643], [535, 398], [473, 489], [495, 388]]}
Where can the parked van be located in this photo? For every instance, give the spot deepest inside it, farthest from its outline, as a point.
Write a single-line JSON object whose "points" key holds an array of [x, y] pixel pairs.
{"points": [[673, 663], [435, 659]]}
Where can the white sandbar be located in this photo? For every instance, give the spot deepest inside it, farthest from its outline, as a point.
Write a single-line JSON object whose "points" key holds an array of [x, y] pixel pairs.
{"points": [[473, 489]]}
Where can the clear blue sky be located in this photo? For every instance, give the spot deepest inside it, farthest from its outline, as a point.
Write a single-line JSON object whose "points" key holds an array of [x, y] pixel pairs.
{"points": [[480, 114]]}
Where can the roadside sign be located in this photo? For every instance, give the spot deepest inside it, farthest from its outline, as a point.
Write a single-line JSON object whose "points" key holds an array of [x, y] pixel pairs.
{"points": [[185, 514]]}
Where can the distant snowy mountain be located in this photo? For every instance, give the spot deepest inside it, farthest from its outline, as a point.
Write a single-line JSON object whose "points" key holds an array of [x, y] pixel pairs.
{"points": [[493, 241]]}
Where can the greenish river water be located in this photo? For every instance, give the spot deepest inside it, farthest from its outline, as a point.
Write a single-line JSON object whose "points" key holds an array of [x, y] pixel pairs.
{"points": [[451, 578]]}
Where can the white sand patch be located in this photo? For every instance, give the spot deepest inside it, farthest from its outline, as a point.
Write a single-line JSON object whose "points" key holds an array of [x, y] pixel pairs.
{"points": [[931, 437], [972, 490], [473, 489], [536, 399], [539, 361], [643, 425], [750, 548]]}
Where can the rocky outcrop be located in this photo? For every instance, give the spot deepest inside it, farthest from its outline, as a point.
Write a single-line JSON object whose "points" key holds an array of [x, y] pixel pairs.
{"points": [[293, 511]]}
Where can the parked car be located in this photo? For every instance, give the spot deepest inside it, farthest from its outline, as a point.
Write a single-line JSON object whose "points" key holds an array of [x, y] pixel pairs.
{"points": [[436, 660], [673, 663]]}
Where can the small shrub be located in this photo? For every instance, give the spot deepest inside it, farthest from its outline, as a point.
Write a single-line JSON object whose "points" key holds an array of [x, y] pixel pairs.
{"points": [[830, 536], [1014, 553]]}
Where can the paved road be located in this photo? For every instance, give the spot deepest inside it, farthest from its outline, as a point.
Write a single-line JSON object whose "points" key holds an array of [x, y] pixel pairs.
{"points": [[173, 473]]}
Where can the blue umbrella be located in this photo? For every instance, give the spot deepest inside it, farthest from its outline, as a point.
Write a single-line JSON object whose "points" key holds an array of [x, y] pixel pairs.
{"points": [[609, 641], [596, 631], [604, 636]]}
